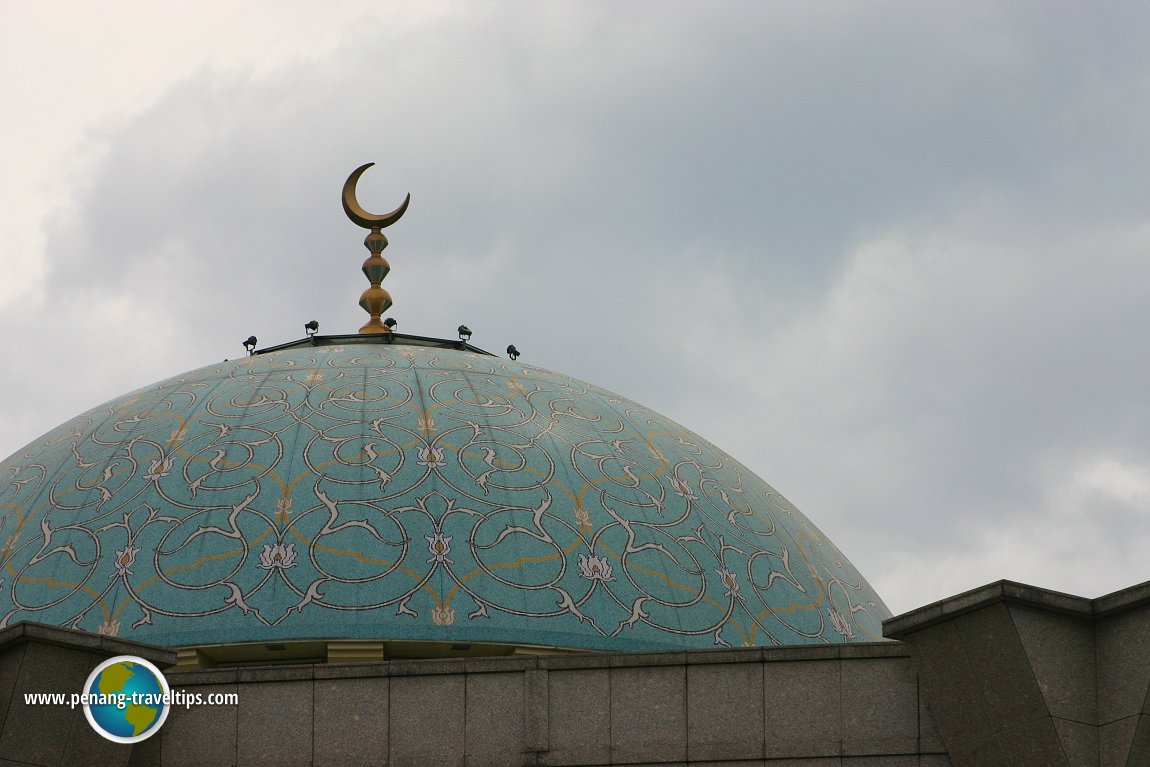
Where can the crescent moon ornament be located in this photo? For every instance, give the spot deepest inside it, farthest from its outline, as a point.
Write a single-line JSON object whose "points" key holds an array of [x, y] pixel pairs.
{"points": [[375, 300], [360, 216]]}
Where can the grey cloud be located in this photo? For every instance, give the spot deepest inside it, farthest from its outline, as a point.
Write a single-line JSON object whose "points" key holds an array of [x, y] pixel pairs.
{"points": [[669, 202]]}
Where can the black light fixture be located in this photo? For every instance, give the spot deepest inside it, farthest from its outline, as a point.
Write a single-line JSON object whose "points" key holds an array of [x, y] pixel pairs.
{"points": [[250, 344], [512, 352], [464, 333], [311, 328], [390, 323]]}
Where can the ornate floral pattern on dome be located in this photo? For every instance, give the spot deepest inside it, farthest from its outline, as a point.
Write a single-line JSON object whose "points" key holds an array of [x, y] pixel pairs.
{"points": [[407, 492]]}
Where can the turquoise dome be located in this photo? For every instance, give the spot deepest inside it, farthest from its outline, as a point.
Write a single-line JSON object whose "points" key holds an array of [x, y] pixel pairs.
{"points": [[418, 490]]}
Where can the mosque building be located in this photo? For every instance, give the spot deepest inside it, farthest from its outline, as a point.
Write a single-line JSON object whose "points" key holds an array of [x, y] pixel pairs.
{"points": [[404, 550]]}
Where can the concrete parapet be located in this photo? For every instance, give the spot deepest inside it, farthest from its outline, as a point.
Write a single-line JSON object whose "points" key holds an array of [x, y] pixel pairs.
{"points": [[845, 705], [855, 705]]}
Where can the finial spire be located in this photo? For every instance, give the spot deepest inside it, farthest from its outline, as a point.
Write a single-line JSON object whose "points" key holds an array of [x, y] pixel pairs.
{"points": [[375, 300]]}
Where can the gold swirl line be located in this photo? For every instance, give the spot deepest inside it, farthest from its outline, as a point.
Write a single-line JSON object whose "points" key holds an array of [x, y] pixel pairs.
{"points": [[50, 581]]}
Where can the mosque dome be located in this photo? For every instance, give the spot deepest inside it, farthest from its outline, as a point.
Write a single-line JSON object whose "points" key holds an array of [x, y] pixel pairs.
{"points": [[383, 494], [349, 488]]}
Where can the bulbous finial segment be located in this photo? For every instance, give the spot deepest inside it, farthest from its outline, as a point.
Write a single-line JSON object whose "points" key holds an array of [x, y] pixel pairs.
{"points": [[375, 300]]}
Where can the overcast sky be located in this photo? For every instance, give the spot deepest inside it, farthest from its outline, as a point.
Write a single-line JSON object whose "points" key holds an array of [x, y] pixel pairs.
{"points": [[894, 257]]}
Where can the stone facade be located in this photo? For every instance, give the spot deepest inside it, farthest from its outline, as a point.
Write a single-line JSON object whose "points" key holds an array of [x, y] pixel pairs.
{"points": [[1018, 675], [855, 705], [842, 705], [45, 659], [1012, 675]]}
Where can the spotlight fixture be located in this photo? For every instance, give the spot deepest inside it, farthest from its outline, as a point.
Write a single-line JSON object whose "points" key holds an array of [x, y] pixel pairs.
{"points": [[311, 328], [512, 352], [390, 323], [250, 344], [464, 333]]}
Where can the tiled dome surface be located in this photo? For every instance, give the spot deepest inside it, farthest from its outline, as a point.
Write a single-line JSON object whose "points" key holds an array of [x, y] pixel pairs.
{"points": [[404, 492]]}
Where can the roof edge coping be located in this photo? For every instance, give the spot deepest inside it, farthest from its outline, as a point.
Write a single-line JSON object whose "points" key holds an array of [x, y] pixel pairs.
{"points": [[1019, 594], [74, 639], [1006, 591]]}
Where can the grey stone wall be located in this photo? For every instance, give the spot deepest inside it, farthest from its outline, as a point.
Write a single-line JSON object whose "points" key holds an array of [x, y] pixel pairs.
{"points": [[849, 706], [1122, 640], [1011, 674], [852, 706], [45, 659], [1018, 675]]}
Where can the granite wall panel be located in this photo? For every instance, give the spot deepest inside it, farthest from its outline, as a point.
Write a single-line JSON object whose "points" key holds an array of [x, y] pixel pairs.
{"points": [[201, 734], [803, 717], [275, 724], [351, 721], [648, 714], [428, 721], [725, 711], [579, 717], [494, 735]]}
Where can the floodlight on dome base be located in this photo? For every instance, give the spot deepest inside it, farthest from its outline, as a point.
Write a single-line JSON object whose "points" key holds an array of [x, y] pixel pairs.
{"points": [[512, 352], [311, 328], [464, 333], [250, 344]]}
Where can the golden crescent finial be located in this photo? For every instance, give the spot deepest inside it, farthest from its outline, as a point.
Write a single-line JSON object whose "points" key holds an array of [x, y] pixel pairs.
{"points": [[360, 216]]}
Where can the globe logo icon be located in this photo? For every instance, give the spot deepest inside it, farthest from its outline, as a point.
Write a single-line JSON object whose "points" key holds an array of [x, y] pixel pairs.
{"points": [[126, 699]]}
